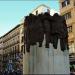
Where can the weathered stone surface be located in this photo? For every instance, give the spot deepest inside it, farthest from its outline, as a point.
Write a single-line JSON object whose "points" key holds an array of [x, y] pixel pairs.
{"points": [[26, 63], [48, 60]]}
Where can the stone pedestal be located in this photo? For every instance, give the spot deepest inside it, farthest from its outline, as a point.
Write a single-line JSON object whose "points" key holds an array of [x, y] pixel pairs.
{"points": [[48, 60], [26, 63]]}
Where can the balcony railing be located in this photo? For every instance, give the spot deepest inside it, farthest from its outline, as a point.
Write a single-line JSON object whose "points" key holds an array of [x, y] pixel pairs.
{"points": [[72, 57], [12, 44]]}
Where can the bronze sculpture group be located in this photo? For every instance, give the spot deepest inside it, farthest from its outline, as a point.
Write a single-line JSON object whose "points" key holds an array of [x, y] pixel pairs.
{"points": [[53, 27]]}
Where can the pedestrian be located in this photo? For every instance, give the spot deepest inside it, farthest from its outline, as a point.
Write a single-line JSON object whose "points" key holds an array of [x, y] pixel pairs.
{"points": [[5, 73], [1, 73]]}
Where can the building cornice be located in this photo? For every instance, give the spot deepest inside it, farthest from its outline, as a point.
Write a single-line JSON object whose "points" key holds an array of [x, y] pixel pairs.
{"points": [[40, 6], [10, 31]]}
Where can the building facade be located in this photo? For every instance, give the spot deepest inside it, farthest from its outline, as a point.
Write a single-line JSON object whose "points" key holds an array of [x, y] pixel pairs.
{"points": [[12, 52], [1, 54], [67, 9]]}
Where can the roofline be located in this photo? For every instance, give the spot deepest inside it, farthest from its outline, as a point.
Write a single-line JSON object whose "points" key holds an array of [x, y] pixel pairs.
{"points": [[1, 37], [10, 31], [39, 6]]}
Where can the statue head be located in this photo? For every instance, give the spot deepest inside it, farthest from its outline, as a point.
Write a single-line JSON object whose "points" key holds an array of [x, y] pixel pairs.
{"points": [[56, 14]]}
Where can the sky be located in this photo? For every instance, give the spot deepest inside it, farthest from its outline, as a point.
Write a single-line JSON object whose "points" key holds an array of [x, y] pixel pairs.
{"points": [[12, 11]]}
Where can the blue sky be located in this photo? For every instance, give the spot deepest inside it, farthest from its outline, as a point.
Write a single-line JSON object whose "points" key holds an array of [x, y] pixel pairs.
{"points": [[11, 12]]}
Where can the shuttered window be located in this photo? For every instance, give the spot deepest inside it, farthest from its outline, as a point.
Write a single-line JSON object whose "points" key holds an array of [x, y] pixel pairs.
{"points": [[65, 3], [69, 28], [67, 15]]}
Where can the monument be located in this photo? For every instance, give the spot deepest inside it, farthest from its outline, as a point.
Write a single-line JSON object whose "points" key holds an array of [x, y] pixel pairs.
{"points": [[46, 43]]}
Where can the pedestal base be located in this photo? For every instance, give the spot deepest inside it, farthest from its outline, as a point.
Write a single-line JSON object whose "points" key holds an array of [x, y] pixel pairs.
{"points": [[48, 60]]}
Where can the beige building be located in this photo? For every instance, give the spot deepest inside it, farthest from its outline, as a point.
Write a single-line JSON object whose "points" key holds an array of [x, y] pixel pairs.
{"points": [[1, 53], [67, 9], [12, 47]]}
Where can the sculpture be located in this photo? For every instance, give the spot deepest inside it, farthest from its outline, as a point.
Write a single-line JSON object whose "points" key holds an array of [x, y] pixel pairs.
{"points": [[46, 39], [53, 28]]}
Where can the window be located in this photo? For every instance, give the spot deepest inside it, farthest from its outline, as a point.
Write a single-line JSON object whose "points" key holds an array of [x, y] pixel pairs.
{"points": [[22, 30], [22, 48], [65, 3], [22, 40], [17, 48], [37, 12], [67, 15], [14, 52], [13, 49], [74, 3], [69, 28], [71, 47]]}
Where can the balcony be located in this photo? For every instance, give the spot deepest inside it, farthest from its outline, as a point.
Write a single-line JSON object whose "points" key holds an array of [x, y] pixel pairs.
{"points": [[66, 5], [12, 44], [72, 57]]}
